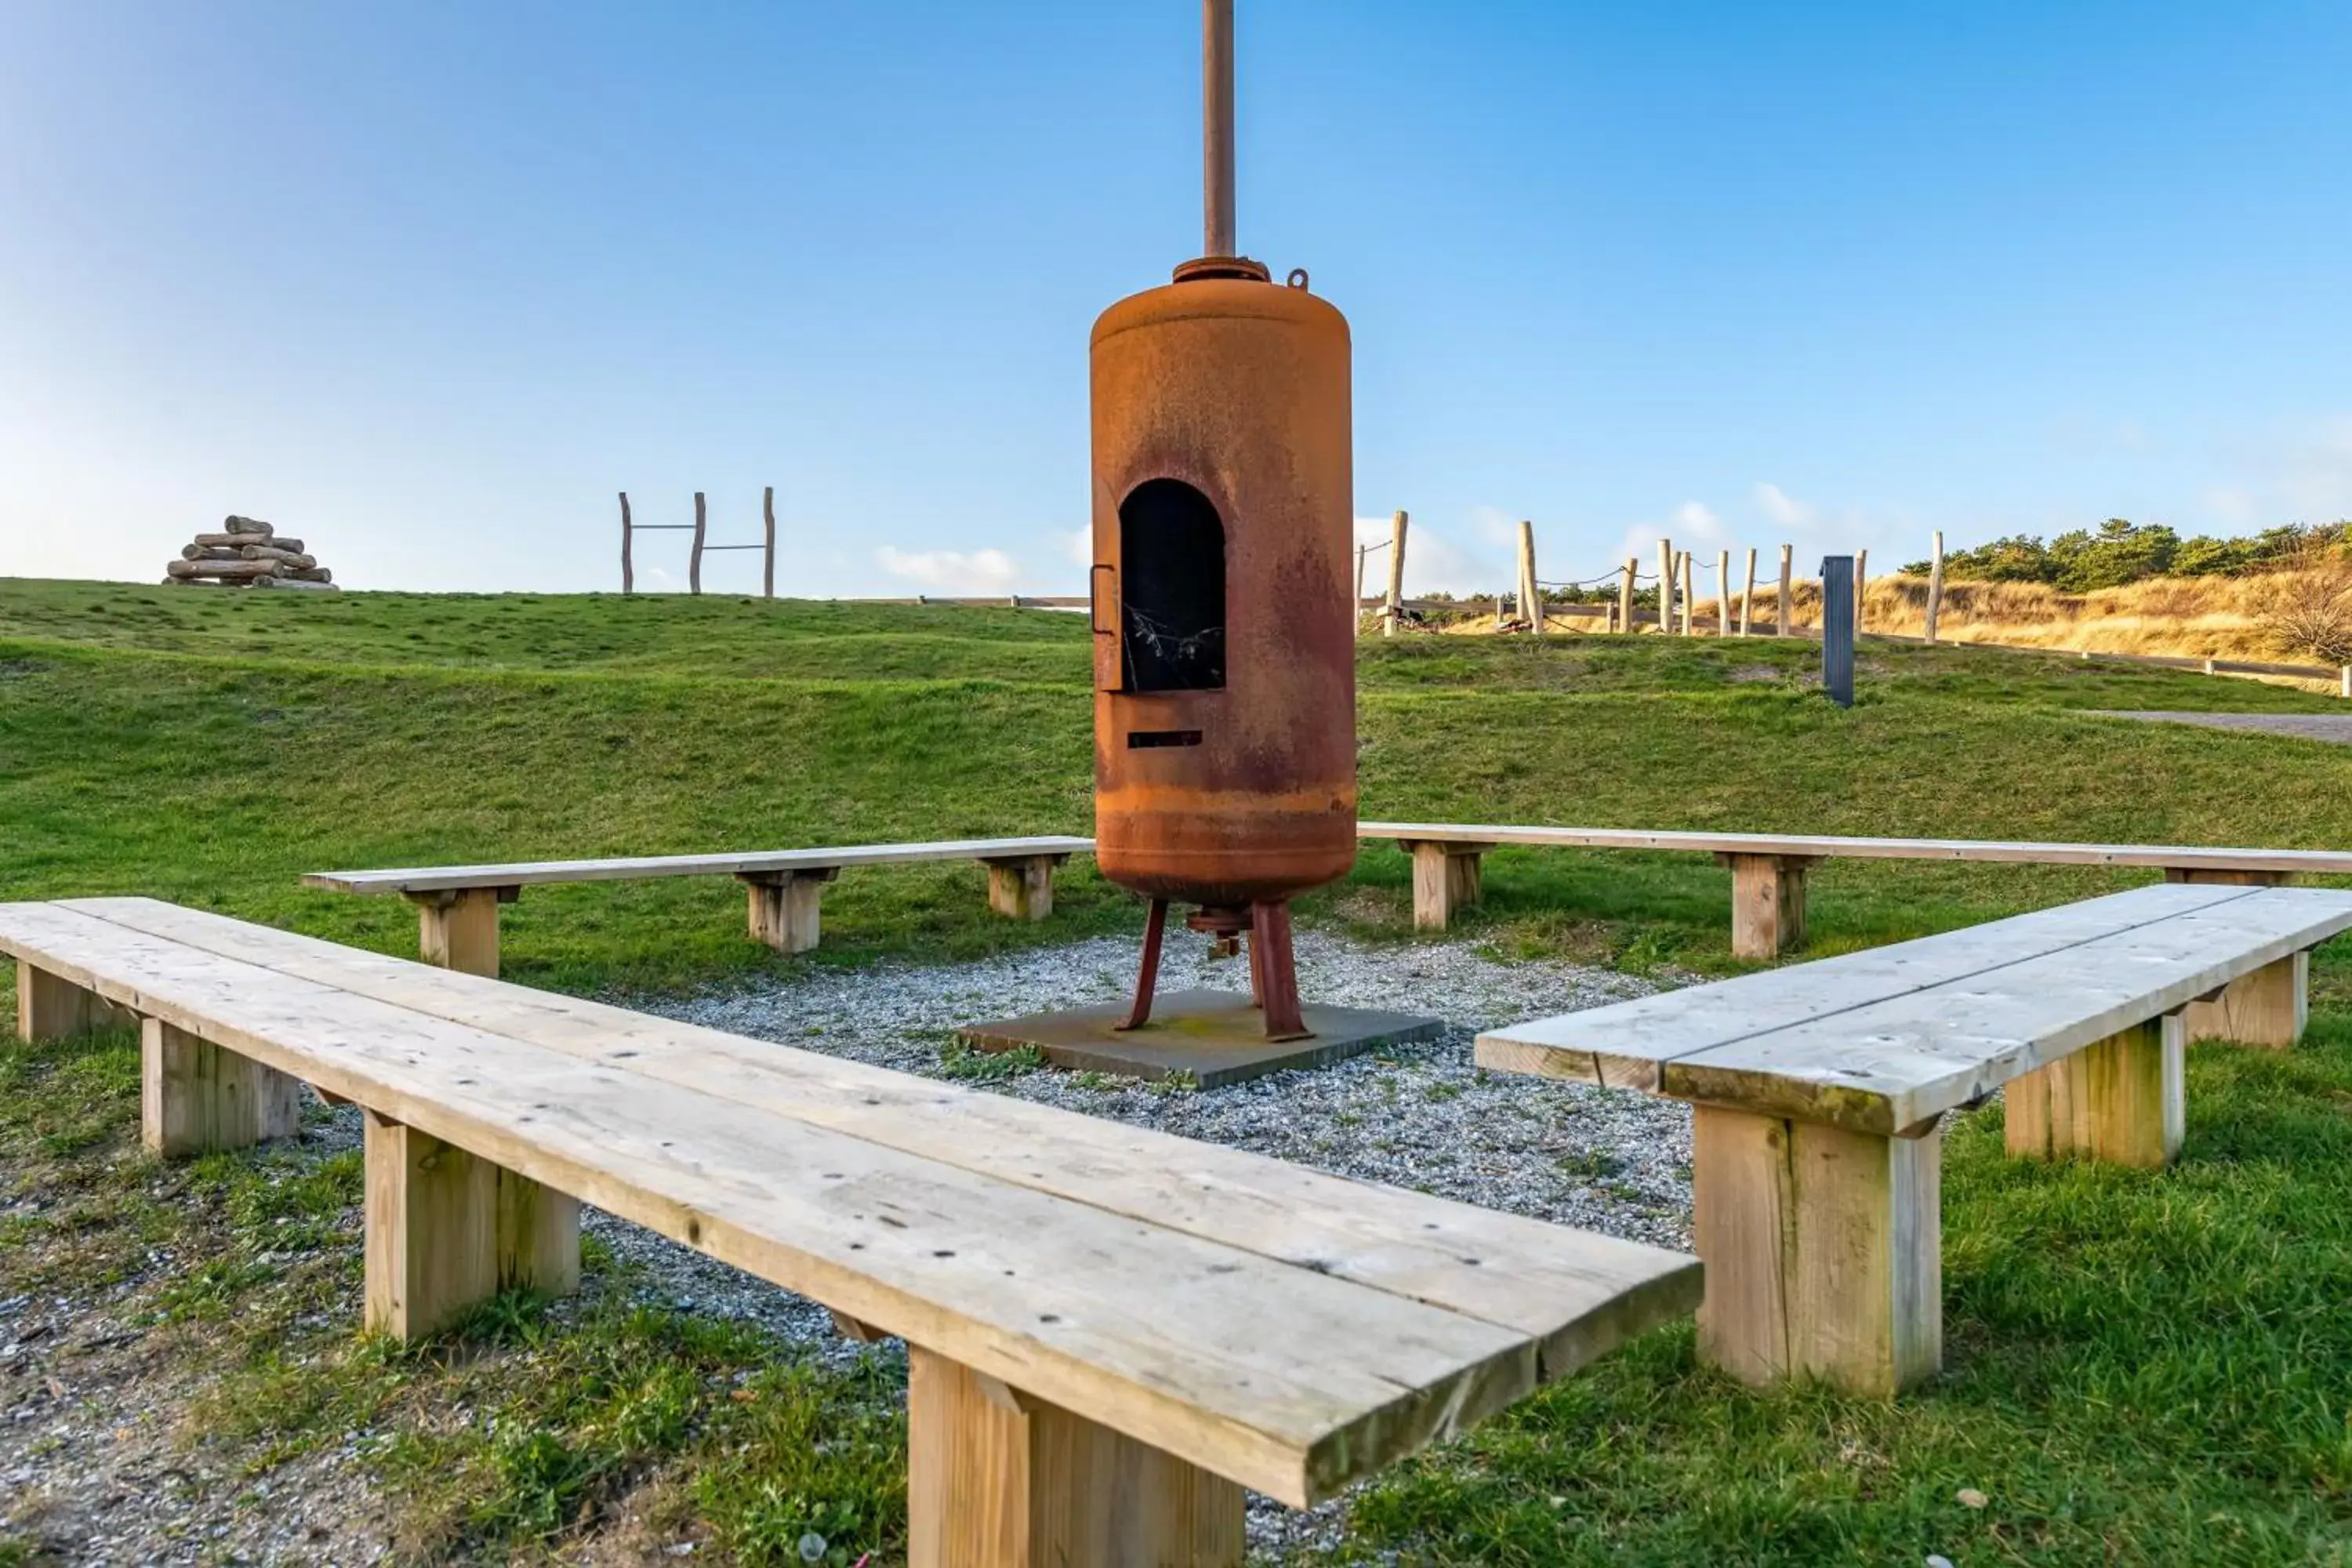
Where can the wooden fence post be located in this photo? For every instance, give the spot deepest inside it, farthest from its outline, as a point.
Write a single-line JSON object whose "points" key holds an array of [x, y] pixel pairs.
{"points": [[1722, 593], [1861, 586], [1665, 587], [694, 564], [1748, 595], [1531, 591], [2346, 689], [1686, 594], [628, 576], [1625, 595], [1396, 575], [1840, 603], [1359, 585], [767, 511], [1935, 586], [1782, 617]]}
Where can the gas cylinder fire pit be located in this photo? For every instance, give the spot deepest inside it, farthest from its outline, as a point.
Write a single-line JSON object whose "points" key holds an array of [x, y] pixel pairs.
{"points": [[1224, 645]]}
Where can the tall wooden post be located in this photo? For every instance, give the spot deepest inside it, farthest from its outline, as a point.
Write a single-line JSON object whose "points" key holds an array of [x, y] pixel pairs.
{"points": [[1396, 575], [1783, 614], [1861, 586], [1722, 593], [628, 574], [1687, 596], [1748, 594], [1530, 589], [694, 564], [1625, 595], [1839, 603], [767, 511], [1665, 587], [1359, 585], [1935, 586]]}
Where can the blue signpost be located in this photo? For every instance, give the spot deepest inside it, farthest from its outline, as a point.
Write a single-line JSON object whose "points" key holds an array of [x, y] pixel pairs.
{"points": [[1837, 629]]}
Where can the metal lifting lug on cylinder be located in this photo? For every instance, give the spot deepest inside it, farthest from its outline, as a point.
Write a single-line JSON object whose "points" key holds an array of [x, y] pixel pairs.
{"points": [[1224, 651]]}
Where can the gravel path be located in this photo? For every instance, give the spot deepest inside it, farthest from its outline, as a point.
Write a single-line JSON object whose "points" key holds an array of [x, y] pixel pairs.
{"points": [[2301, 726]]}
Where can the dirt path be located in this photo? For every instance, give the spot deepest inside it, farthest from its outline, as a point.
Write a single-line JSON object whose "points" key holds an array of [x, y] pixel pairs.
{"points": [[2301, 726]]}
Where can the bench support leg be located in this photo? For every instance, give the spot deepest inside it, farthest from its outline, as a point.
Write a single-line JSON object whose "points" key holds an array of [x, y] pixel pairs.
{"points": [[459, 930], [1767, 903], [2268, 1007], [50, 1007], [1824, 1251], [2120, 1100], [1021, 889], [195, 1097], [783, 906], [997, 1479], [1445, 878], [447, 1230]]}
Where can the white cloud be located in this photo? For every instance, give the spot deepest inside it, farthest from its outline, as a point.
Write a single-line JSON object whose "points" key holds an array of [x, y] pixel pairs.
{"points": [[1782, 507], [1078, 545], [981, 571]]}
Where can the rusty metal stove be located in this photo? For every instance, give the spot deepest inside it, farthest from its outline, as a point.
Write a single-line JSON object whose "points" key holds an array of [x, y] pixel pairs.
{"points": [[1224, 635]]}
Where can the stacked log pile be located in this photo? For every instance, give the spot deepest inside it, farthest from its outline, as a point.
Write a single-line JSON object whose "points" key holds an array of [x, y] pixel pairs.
{"points": [[249, 553]]}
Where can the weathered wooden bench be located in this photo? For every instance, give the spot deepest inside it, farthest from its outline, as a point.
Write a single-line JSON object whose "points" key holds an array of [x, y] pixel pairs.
{"points": [[457, 906], [1816, 1091], [1767, 869], [1112, 1331]]}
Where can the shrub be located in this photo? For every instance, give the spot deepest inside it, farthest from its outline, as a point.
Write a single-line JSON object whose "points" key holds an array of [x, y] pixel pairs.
{"points": [[2310, 613]]}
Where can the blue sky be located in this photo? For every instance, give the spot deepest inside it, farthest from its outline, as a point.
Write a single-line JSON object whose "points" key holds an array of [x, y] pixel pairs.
{"points": [[427, 283]]}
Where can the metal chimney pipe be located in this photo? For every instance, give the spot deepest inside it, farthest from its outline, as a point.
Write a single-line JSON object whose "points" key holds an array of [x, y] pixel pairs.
{"points": [[1217, 125]]}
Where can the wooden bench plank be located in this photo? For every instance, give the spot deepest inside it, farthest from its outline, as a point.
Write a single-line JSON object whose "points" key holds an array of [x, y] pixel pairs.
{"points": [[2151, 857], [1278, 1376], [1899, 1062], [1630, 1044], [1577, 1294], [533, 873]]}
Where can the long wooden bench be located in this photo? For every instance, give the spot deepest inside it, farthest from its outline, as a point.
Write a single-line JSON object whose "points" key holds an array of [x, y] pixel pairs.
{"points": [[457, 906], [1816, 1091], [1767, 869], [1112, 1331]]}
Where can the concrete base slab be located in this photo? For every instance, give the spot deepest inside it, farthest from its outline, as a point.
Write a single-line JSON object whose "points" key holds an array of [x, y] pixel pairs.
{"points": [[1214, 1037]]}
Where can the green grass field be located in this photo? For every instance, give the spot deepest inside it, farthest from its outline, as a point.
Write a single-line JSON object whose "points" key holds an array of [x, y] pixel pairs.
{"points": [[2141, 1368]]}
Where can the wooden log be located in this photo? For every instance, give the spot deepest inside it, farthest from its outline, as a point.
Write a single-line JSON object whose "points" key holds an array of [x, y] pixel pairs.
{"points": [[310, 575], [1665, 587], [1722, 593], [2120, 1100], [305, 581], [460, 929], [783, 906], [1445, 878], [1688, 598], [271, 553], [246, 527], [767, 566], [998, 1478], [1767, 903], [628, 574], [197, 1097], [1530, 589], [224, 571], [1748, 594], [1784, 613], [693, 561], [236, 541], [1823, 1249], [1625, 593], [1023, 888], [1393, 617], [1935, 586]]}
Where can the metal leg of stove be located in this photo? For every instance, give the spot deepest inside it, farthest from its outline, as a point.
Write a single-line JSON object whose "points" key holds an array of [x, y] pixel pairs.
{"points": [[1271, 962], [1147, 980]]}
